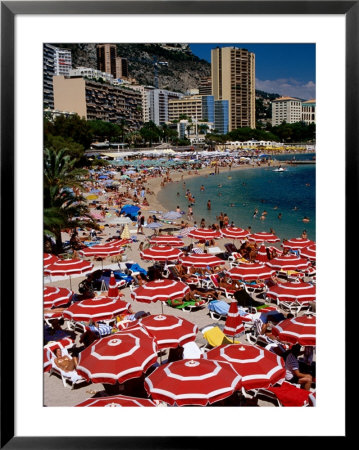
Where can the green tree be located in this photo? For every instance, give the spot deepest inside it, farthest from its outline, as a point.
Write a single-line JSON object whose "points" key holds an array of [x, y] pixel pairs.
{"points": [[64, 205], [150, 132]]}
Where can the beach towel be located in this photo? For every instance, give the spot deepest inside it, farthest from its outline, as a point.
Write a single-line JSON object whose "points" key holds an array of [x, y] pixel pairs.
{"points": [[101, 330], [219, 307], [136, 268]]}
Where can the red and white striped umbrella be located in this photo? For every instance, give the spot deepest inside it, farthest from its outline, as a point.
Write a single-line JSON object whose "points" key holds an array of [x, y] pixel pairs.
{"points": [[291, 292], [49, 259], [160, 290], [113, 291], [116, 401], [297, 243], [309, 252], [101, 308], [258, 367], [169, 331], [56, 296], [201, 260], [263, 237], [101, 250], [204, 233], [299, 330], [193, 382], [68, 267], [235, 233], [50, 348], [118, 242], [250, 272], [262, 256], [172, 241], [161, 253], [234, 322], [288, 262], [119, 357]]}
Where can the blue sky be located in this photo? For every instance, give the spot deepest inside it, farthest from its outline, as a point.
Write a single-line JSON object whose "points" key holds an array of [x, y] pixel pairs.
{"points": [[286, 69]]}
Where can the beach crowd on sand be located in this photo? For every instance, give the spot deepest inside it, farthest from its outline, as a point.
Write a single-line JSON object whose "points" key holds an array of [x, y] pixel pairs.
{"points": [[139, 296]]}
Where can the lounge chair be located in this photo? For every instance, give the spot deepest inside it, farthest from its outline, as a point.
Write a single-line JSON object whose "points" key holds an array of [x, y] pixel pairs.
{"points": [[191, 351], [215, 337], [72, 378], [286, 394]]}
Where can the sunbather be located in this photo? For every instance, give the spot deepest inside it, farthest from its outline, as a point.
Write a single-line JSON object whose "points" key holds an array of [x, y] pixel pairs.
{"points": [[64, 362]]}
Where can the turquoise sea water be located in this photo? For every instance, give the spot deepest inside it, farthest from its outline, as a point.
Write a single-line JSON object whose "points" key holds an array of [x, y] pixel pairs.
{"points": [[290, 193]]}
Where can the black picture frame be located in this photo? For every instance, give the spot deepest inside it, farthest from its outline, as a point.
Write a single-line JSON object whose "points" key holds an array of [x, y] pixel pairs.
{"points": [[9, 10]]}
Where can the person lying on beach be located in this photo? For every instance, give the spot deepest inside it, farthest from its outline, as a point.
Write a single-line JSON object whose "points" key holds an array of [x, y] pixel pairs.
{"points": [[225, 282], [293, 374], [64, 362]]}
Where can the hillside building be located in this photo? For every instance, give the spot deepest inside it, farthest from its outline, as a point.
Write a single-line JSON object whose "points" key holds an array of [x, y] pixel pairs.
{"points": [[56, 61], [158, 100], [93, 100]]}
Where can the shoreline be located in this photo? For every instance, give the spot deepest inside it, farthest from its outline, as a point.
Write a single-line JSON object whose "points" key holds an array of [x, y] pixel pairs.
{"points": [[155, 183]]}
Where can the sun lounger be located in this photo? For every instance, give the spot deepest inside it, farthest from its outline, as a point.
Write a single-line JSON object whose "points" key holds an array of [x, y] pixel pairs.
{"points": [[191, 351], [287, 394], [72, 378], [188, 306], [215, 337]]}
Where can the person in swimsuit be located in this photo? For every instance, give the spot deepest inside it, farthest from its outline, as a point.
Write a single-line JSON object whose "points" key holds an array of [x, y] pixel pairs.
{"points": [[65, 363]]}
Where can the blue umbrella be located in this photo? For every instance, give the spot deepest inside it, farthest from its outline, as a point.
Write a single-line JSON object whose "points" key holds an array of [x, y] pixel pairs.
{"points": [[102, 177], [172, 215]]}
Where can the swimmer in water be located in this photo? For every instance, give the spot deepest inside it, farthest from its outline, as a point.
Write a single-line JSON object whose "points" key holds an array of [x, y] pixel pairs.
{"points": [[306, 219], [219, 185], [255, 213], [279, 215], [202, 188], [276, 207]]}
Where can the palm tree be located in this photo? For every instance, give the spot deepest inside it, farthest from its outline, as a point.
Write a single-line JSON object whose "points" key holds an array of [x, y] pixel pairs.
{"points": [[64, 205]]}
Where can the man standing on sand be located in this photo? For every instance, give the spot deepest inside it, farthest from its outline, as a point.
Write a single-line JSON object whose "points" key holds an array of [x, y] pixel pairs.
{"points": [[140, 223]]}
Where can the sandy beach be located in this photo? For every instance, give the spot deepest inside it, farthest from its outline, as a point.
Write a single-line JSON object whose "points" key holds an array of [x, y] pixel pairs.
{"points": [[55, 394]]}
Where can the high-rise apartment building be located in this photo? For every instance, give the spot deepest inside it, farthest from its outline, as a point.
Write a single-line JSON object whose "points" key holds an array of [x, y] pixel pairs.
{"points": [[106, 58], [158, 104], [93, 100], [205, 86], [233, 79], [121, 67], [286, 109], [57, 61], [308, 112]]}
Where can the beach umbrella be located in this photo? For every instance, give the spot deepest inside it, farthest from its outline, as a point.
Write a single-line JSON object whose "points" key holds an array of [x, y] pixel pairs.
{"points": [[125, 233], [161, 253], [262, 256], [101, 250], [309, 252], [92, 197], [288, 262], [172, 241], [56, 296], [263, 237], [49, 259], [193, 382], [297, 243], [118, 358], [204, 233], [172, 215], [250, 272], [201, 260], [298, 330], [68, 267], [169, 331], [113, 291], [234, 233], [291, 292], [258, 367], [160, 290], [234, 322], [115, 401], [118, 242], [98, 308]]}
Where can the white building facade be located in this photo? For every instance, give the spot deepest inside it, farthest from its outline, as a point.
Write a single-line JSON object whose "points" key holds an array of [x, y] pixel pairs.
{"points": [[286, 109]]}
